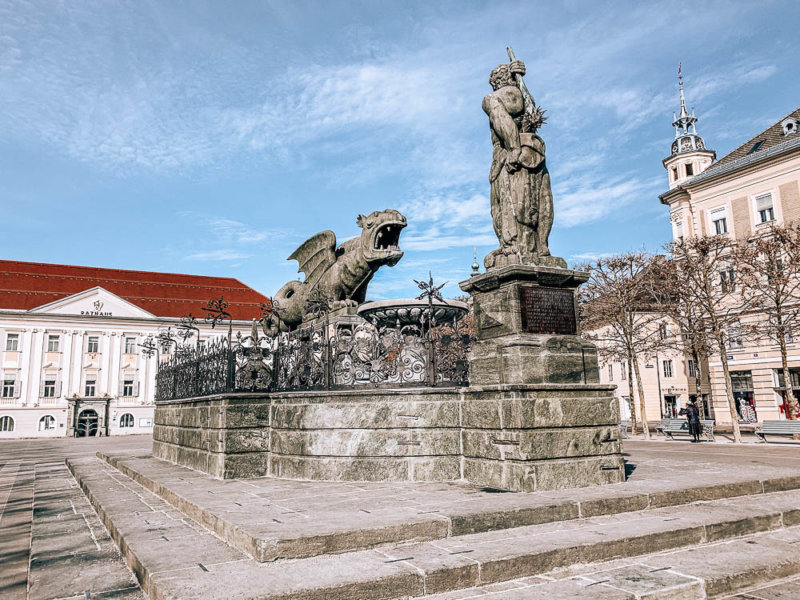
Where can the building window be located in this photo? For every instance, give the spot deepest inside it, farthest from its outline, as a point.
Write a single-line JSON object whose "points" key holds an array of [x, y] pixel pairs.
{"points": [[12, 342], [679, 230], [719, 221], [689, 169], [6, 424], [52, 343], [624, 369], [764, 206], [663, 331], [674, 173], [126, 420], [735, 335], [49, 388], [756, 146], [9, 387], [90, 390], [611, 372], [93, 344], [47, 423], [130, 345], [727, 279], [692, 367], [667, 368], [127, 388]]}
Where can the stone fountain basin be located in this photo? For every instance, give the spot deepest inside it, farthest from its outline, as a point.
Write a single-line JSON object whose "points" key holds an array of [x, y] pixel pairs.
{"points": [[386, 313]]}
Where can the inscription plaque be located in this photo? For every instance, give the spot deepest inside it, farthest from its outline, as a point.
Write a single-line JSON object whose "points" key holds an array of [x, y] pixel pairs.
{"points": [[547, 310]]}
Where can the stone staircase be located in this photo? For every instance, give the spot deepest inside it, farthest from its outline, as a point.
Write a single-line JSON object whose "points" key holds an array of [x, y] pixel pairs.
{"points": [[185, 536]]}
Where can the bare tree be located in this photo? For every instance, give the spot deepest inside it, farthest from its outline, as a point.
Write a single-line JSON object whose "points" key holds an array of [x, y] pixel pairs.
{"points": [[705, 283], [769, 266], [691, 338], [617, 310]]}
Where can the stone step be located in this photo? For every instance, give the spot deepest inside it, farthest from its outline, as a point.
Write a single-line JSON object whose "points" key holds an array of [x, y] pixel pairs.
{"points": [[270, 519], [751, 567], [175, 558]]}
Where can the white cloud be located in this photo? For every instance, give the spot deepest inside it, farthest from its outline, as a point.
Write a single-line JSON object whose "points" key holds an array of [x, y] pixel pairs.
{"points": [[591, 198], [221, 254], [447, 220]]}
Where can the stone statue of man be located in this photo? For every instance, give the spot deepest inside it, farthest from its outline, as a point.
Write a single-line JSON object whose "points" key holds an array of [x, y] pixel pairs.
{"points": [[521, 198]]}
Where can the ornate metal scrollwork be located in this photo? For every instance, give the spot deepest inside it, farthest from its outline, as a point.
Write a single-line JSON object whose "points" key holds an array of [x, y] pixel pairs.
{"points": [[319, 357]]}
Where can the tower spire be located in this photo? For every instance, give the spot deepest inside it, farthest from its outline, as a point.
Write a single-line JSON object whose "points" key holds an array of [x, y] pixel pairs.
{"points": [[684, 122], [688, 154], [684, 112]]}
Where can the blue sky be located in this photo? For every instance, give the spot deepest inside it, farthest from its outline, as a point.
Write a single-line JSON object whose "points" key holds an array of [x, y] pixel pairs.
{"points": [[215, 137]]}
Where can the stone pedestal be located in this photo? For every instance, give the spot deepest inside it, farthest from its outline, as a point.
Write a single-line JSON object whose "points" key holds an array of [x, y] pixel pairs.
{"points": [[527, 327], [528, 336]]}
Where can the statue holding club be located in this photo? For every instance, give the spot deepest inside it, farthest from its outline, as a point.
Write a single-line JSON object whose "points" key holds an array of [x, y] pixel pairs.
{"points": [[521, 198]]}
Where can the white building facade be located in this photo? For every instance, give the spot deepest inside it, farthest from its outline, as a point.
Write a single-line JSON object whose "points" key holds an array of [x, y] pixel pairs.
{"points": [[75, 366]]}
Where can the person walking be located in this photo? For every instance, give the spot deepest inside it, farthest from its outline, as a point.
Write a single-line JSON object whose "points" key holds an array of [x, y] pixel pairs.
{"points": [[693, 416]]}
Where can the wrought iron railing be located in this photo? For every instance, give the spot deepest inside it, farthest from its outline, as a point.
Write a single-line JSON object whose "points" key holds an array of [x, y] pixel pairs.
{"points": [[322, 357]]}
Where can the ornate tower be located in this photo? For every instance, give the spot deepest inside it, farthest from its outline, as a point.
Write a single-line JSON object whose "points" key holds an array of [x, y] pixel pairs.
{"points": [[688, 155]]}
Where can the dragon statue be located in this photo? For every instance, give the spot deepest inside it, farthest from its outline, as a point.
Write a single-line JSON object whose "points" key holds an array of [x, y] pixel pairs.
{"points": [[340, 274]]}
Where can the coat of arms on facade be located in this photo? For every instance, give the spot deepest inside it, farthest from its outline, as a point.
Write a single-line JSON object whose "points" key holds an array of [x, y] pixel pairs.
{"points": [[98, 305]]}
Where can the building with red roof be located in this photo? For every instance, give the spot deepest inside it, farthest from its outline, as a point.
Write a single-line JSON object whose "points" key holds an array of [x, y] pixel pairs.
{"points": [[70, 342], [30, 285]]}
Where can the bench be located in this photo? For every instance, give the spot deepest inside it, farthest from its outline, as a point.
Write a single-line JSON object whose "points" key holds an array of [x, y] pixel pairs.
{"points": [[623, 429], [788, 428], [681, 426], [660, 427]]}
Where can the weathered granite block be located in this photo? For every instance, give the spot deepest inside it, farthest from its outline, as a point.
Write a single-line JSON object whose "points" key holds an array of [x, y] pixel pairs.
{"points": [[576, 406], [532, 476], [246, 415], [251, 464], [236, 441], [412, 412], [523, 359], [367, 442], [320, 468], [366, 468], [537, 444]]}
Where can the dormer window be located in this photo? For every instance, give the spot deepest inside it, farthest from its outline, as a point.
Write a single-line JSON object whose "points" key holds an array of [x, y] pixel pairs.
{"points": [[789, 126], [756, 146]]}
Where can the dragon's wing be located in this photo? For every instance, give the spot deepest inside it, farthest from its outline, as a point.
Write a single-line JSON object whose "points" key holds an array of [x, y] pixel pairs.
{"points": [[316, 255]]}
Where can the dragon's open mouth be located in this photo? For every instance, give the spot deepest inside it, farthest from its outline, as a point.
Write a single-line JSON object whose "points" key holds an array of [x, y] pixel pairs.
{"points": [[387, 236]]}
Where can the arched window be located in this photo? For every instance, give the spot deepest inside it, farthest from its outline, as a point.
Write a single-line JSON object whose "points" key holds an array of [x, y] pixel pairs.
{"points": [[6, 424], [126, 420], [47, 423]]}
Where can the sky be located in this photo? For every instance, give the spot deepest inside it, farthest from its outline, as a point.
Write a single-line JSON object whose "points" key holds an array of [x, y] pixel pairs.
{"points": [[214, 138]]}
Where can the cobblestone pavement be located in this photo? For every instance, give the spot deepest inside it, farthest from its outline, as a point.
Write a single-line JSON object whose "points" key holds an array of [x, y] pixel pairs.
{"points": [[50, 538], [52, 544]]}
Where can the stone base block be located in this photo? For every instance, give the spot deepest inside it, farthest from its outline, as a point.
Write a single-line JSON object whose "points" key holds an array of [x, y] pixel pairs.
{"points": [[326, 468], [540, 444], [514, 437], [218, 464], [526, 359], [540, 475]]}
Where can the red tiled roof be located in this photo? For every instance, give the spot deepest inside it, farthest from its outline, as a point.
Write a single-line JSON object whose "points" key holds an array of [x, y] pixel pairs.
{"points": [[27, 285]]}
